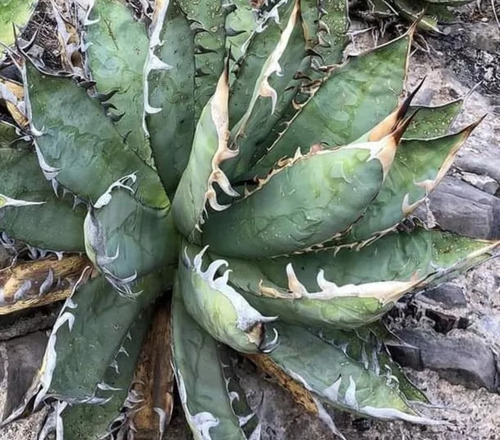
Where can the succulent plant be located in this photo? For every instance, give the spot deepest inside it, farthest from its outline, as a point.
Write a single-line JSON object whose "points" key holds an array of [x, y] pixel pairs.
{"points": [[429, 13], [231, 159]]}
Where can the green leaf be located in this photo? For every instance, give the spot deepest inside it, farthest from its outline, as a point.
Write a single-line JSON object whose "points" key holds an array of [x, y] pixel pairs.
{"points": [[365, 346], [125, 238], [80, 147], [13, 12], [417, 169], [210, 149], [346, 384], [218, 308], [209, 18], [240, 25], [334, 20], [88, 335], [118, 46], [311, 199], [350, 101], [342, 288], [170, 86], [263, 88], [29, 209], [431, 122], [200, 378], [93, 421]]}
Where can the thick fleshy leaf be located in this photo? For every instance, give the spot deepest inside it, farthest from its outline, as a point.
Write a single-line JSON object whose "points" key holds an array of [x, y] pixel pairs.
{"points": [[200, 378], [170, 87], [342, 288], [240, 25], [78, 146], [432, 122], [209, 18], [88, 335], [37, 283], [350, 101], [210, 149], [93, 421], [117, 50], [417, 169], [364, 346], [218, 308], [29, 209], [126, 239], [346, 384], [13, 12], [331, 29], [263, 87], [306, 202]]}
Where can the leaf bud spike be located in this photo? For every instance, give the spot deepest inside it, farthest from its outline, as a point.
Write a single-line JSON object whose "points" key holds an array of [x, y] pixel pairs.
{"points": [[390, 144], [391, 122]]}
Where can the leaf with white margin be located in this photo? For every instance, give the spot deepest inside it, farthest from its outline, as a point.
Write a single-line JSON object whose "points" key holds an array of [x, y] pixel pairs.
{"points": [[200, 378], [346, 384], [210, 149], [93, 421], [218, 308], [342, 288]]}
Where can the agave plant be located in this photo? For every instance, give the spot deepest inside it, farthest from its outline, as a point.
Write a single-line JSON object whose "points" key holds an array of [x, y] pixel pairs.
{"points": [[230, 158], [430, 13]]}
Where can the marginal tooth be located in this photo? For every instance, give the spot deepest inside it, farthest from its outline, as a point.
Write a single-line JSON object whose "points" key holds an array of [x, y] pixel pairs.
{"points": [[105, 387], [375, 363], [49, 172], [350, 394], [156, 64], [115, 117], [332, 392], [55, 186], [271, 345], [209, 274], [211, 197], [223, 182], [124, 351], [266, 91], [197, 261], [8, 201], [294, 285], [115, 366], [46, 285], [23, 290], [364, 357], [323, 283]]}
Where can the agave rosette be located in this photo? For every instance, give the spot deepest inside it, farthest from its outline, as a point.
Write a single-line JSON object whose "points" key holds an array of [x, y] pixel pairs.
{"points": [[237, 157]]}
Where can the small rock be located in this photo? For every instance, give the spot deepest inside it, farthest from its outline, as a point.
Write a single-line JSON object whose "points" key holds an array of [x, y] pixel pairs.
{"points": [[484, 183], [482, 161], [466, 361], [448, 295], [459, 207], [22, 359]]}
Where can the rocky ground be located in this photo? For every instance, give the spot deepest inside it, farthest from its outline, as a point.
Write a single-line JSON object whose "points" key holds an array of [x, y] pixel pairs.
{"points": [[454, 330]]}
